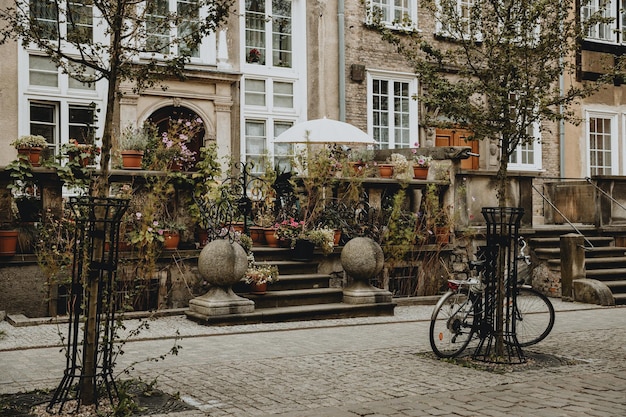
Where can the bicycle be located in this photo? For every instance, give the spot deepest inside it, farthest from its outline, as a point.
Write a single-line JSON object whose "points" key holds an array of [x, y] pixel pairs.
{"points": [[457, 316]]}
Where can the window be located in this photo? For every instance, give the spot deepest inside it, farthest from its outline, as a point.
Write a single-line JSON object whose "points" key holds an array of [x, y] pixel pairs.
{"points": [[456, 18], [257, 133], [527, 156], [80, 29], [269, 108], [80, 123], [394, 12], [42, 71], [602, 143], [43, 121], [268, 32], [161, 32], [392, 111], [76, 21], [608, 31], [44, 12]]}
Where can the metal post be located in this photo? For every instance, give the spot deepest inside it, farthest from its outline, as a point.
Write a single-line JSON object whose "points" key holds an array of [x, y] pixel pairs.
{"points": [[498, 341]]}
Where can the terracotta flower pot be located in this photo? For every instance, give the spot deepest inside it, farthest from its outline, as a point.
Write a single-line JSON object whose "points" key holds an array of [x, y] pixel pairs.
{"points": [[258, 289], [420, 173], [257, 234], [385, 170], [8, 242], [34, 155], [270, 237], [132, 159], [172, 239]]}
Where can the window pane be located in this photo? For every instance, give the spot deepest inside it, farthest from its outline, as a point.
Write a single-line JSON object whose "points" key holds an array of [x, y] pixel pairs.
{"points": [[157, 27], [190, 13], [80, 25], [600, 146], [45, 14], [42, 71], [255, 31], [281, 33], [283, 95], [283, 152], [255, 92], [85, 73], [43, 121], [81, 124]]}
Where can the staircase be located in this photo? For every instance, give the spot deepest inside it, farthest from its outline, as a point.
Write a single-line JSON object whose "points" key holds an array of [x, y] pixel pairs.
{"points": [[301, 293], [604, 261]]}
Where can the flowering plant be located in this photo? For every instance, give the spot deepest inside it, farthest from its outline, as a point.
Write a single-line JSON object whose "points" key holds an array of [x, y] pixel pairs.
{"points": [[289, 229], [261, 273], [173, 146], [421, 160], [145, 231], [323, 238], [79, 151], [30, 141], [254, 55]]}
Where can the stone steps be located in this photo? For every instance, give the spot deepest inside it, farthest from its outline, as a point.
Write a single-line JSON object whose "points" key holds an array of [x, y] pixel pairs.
{"points": [[301, 293]]}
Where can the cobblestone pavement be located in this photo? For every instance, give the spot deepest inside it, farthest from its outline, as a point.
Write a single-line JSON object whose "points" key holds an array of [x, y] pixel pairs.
{"points": [[380, 366]]}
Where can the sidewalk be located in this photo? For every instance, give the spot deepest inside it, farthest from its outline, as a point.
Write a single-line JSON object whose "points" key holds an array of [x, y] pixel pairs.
{"points": [[376, 366]]}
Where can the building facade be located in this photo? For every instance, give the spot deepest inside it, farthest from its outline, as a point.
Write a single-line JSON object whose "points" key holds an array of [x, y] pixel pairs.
{"points": [[280, 62]]}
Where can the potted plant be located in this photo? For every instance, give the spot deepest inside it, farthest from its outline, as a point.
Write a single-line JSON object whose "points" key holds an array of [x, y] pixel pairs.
{"points": [[287, 231], [171, 233], [8, 240], [323, 238], [132, 144], [421, 163], [172, 151], [31, 147], [82, 154], [24, 190], [259, 275], [254, 56], [358, 159]]}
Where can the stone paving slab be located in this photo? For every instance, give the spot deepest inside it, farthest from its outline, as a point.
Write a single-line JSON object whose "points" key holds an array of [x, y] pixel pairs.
{"points": [[353, 368]]}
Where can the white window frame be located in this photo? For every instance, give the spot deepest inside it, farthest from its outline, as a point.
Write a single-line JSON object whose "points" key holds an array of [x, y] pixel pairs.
{"points": [[536, 164], [97, 25], [267, 48], [394, 77], [605, 32], [61, 96], [442, 30], [270, 114], [206, 50], [612, 116], [408, 10]]}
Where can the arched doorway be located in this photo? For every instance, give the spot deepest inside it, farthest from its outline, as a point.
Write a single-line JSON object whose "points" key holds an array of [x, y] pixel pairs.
{"points": [[161, 119]]}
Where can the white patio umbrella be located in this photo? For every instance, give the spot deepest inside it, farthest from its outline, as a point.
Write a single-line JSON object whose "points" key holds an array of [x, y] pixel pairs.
{"points": [[324, 131]]}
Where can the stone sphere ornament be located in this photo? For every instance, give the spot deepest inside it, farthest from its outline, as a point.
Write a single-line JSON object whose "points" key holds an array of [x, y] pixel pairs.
{"points": [[362, 258], [222, 263]]}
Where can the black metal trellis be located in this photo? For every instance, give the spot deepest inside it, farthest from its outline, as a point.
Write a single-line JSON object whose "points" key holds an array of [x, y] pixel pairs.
{"points": [[501, 255], [88, 358], [240, 196]]}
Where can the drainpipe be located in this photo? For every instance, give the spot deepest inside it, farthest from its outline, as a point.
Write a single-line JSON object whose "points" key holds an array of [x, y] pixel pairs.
{"points": [[342, 59], [562, 128]]}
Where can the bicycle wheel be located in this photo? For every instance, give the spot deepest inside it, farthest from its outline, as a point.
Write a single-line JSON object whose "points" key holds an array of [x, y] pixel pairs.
{"points": [[534, 316], [451, 324]]}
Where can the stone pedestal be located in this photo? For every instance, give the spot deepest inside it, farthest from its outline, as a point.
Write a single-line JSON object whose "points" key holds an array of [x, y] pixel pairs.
{"points": [[222, 264], [362, 259], [219, 301]]}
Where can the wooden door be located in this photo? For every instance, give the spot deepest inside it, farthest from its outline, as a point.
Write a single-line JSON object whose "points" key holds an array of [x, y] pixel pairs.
{"points": [[458, 137]]}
